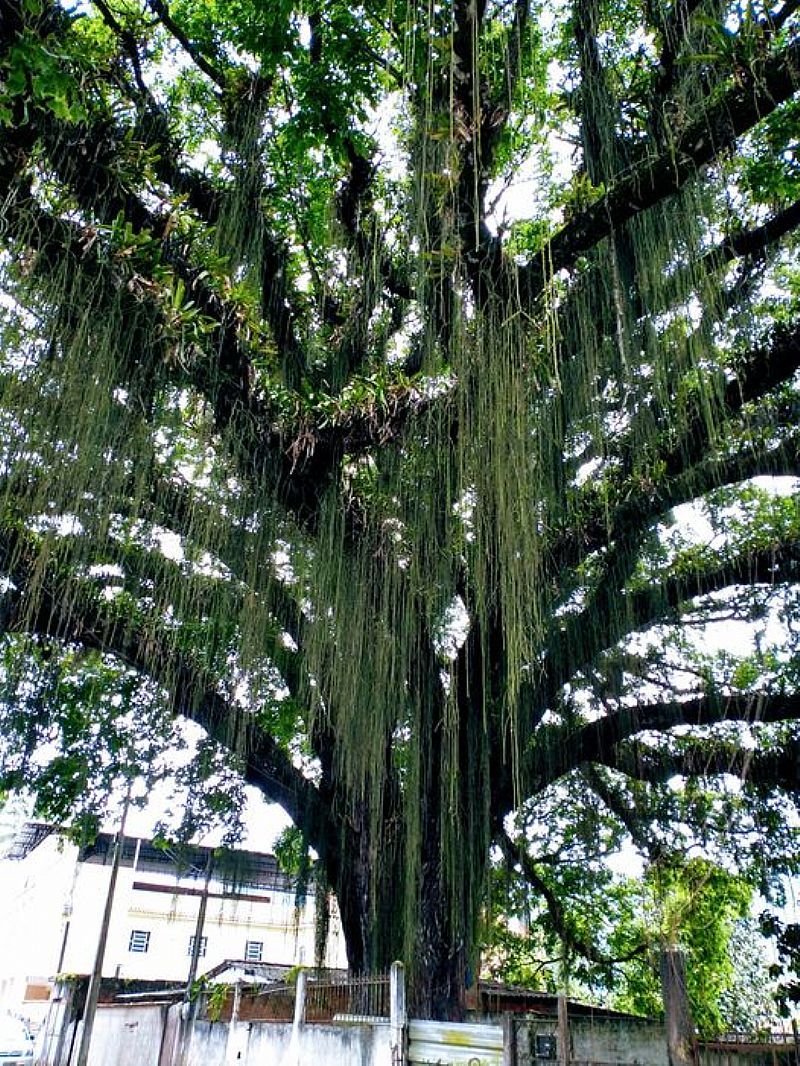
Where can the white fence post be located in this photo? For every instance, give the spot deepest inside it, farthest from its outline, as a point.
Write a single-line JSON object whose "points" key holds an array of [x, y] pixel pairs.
{"points": [[509, 1040], [300, 999], [398, 1020], [231, 1047]]}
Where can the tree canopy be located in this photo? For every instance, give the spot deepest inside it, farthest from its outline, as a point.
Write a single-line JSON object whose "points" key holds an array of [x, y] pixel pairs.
{"points": [[408, 396]]}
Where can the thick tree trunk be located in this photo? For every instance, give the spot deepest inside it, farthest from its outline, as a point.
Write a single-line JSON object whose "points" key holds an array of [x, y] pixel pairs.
{"points": [[371, 916], [440, 965], [369, 887], [369, 865], [437, 969], [363, 860], [352, 888], [454, 825]]}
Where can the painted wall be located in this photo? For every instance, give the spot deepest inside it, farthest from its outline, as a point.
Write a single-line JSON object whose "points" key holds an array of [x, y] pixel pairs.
{"points": [[171, 920], [35, 895], [126, 1036]]}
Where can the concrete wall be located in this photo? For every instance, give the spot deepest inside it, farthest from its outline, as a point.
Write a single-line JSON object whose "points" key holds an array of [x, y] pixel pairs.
{"points": [[280, 1044], [133, 1036], [749, 1055], [146, 1035], [127, 1036], [630, 1042], [596, 1041], [619, 1042]]}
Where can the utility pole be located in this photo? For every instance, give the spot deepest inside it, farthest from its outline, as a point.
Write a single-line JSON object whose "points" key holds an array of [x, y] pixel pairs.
{"points": [[93, 991], [189, 1008], [198, 930], [564, 1049]]}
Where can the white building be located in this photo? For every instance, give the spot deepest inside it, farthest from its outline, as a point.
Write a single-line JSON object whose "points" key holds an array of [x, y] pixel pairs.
{"points": [[56, 894]]}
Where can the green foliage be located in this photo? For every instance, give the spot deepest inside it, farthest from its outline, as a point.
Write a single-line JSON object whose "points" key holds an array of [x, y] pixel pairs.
{"points": [[218, 996], [693, 905], [772, 174], [518, 959], [750, 1003], [34, 77], [74, 726], [291, 851]]}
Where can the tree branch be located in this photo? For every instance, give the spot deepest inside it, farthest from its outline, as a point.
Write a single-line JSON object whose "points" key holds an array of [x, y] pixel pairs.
{"points": [[573, 941], [293, 454], [160, 9], [781, 17], [615, 612], [128, 42], [674, 29], [765, 367], [744, 244], [64, 609], [751, 99], [620, 807], [562, 750], [684, 469], [496, 111], [760, 770]]}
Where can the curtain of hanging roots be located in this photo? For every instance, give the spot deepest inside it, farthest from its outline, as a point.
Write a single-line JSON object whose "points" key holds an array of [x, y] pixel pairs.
{"points": [[469, 503]]}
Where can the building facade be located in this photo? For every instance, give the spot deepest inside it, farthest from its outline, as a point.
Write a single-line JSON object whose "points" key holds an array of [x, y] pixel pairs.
{"points": [[56, 893]]}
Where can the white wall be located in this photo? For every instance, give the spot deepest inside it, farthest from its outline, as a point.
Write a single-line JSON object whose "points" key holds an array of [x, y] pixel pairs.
{"points": [[126, 1036], [34, 896], [135, 1036], [277, 1044]]}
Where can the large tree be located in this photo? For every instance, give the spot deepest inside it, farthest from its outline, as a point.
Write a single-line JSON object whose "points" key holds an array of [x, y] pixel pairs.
{"points": [[385, 386]]}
